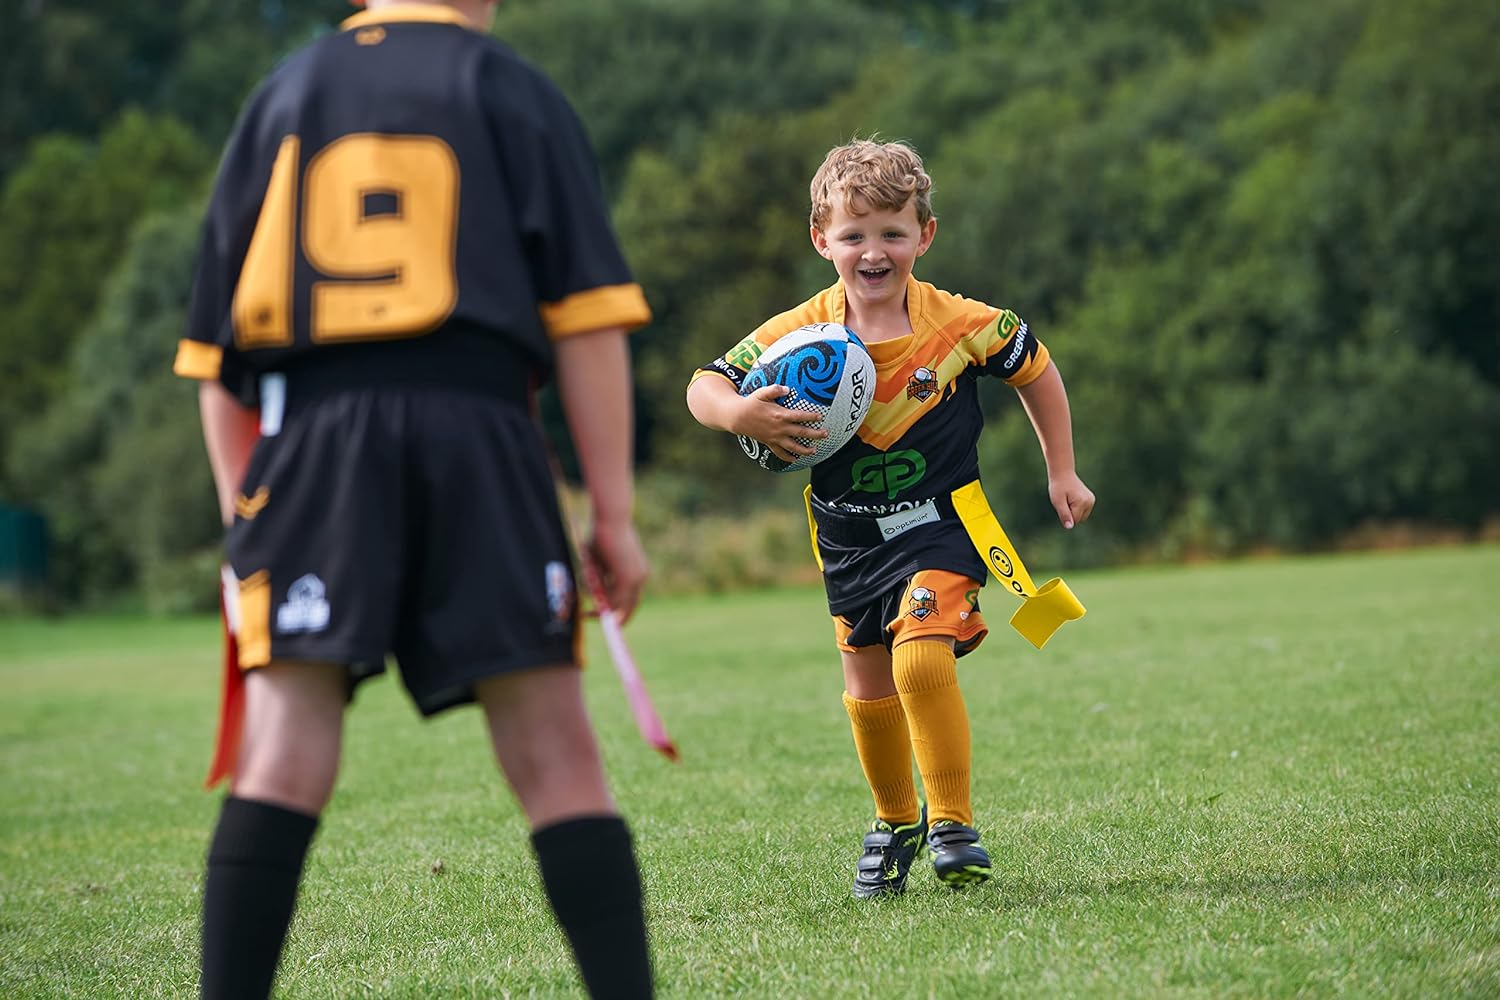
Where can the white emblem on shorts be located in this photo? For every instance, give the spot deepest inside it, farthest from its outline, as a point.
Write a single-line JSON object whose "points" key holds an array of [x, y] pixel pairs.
{"points": [[305, 609], [559, 591]]}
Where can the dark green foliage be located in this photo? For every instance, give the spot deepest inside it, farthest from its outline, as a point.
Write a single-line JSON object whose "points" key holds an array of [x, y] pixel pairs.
{"points": [[71, 65], [65, 215], [116, 462], [1375, 432], [655, 73], [1257, 235]]}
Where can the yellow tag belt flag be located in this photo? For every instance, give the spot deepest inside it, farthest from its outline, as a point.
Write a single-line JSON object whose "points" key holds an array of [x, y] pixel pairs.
{"points": [[1043, 609]]}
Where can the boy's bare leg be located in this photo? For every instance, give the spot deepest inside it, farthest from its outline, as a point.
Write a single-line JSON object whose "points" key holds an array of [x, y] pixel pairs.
{"points": [[294, 722], [289, 754], [545, 744], [546, 748], [867, 673]]}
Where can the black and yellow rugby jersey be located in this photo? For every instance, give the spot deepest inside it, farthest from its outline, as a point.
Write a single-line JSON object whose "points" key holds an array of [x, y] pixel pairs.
{"points": [[406, 177], [921, 437]]}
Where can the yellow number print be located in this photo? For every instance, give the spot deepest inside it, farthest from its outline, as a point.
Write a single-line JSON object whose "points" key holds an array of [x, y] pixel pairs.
{"points": [[262, 309], [379, 221]]}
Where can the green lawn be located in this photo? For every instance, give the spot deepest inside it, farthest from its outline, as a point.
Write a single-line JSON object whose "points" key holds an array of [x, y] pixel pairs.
{"points": [[1262, 779]]}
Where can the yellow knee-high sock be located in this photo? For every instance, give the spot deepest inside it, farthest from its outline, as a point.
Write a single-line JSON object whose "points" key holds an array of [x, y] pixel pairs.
{"points": [[884, 747], [927, 680]]}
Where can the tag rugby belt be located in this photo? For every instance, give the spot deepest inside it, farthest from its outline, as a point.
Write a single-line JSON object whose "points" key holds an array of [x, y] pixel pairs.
{"points": [[1043, 609]]}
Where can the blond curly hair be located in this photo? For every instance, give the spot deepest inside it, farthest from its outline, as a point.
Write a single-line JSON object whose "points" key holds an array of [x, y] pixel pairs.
{"points": [[867, 174]]}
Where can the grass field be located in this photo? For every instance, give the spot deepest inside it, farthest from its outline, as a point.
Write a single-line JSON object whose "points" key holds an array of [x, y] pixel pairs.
{"points": [[1262, 779]]}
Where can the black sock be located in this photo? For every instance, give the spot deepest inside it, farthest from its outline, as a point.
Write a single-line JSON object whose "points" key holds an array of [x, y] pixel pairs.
{"points": [[594, 886], [254, 864]]}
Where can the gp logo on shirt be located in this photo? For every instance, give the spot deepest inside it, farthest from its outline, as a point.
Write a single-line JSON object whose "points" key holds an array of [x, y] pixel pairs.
{"points": [[745, 353], [889, 472]]}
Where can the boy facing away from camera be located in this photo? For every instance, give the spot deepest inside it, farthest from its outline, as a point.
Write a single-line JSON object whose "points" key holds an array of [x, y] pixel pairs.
{"points": [[406, 236], [905, 603]]}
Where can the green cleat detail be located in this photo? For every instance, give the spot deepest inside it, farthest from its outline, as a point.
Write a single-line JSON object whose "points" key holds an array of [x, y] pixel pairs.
{"points": [[957, 858], [889, 853]]}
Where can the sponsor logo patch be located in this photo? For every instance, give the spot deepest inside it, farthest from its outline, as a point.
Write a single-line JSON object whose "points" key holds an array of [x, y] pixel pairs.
{"points": [[1020, 345], [559, 593], [895, 524], [728, 370], [744, 354], [305, 609], [889, 472]]}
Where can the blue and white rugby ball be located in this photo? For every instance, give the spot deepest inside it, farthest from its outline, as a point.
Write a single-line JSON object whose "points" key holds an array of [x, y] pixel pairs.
{"points": [[829, 372]]}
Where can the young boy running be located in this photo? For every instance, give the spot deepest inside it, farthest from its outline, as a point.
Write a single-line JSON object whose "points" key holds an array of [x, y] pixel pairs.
{"points": [[900, 571], [406, 235]]}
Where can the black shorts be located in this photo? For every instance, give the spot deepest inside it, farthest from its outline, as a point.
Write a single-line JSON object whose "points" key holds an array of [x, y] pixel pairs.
{"points": [[862, 566], [421, 522]]}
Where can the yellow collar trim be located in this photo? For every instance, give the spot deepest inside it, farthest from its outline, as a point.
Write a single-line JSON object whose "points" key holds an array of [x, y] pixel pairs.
{"points": [[408, 12], [916, 315]]}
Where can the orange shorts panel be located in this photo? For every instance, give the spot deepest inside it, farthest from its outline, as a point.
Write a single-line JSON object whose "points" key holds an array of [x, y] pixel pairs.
{"points": [[933, 602]]}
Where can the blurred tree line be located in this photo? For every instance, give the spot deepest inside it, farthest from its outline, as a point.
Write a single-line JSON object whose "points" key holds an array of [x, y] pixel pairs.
{"points": [[1259, 236]]}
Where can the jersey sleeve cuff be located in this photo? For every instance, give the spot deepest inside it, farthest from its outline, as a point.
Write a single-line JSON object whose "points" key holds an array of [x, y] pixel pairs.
{"points": [[711, 373], [596, 309], [195, 359], [1034, 368]]}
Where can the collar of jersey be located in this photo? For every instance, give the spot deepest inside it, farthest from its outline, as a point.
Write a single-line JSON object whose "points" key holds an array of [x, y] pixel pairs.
{"points": [[408, 12], [916, 314]]}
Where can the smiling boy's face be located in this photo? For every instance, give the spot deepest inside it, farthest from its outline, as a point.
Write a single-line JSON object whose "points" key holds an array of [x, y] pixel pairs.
{"points": [[873, 252]]}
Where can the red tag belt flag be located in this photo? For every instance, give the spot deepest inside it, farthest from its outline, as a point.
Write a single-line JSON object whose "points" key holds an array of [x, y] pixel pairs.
{"points": [[231, 704], [646, 719]]}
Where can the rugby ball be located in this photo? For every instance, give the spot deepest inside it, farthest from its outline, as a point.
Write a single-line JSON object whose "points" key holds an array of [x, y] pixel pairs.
{"points": [[828, 372]]}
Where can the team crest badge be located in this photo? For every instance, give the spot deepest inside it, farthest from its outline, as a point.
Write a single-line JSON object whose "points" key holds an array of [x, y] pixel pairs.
{"points": [[923, 604], [922, 385]]}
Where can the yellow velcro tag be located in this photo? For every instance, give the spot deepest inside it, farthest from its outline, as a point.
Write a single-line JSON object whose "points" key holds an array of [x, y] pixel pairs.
{"points": [[1043, 610], [1043, 613], [812, 526]]}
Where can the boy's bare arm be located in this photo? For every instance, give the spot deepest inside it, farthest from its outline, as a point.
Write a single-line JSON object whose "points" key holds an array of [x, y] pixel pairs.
{"points": [[1046, 403], [715, 404], [593, 381], [230, 430]]}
